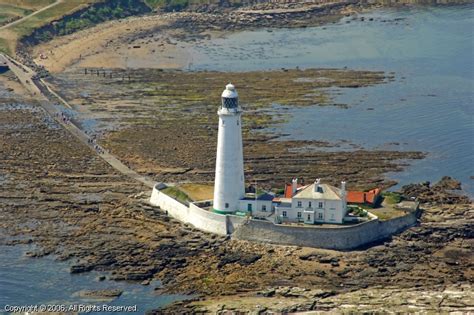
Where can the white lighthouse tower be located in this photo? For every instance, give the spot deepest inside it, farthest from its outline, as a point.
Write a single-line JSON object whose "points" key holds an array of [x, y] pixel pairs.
{"points": [[229, 185]]}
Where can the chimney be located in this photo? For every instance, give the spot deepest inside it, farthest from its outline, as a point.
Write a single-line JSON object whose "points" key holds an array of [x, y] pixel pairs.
{"points": [[317, 187], [344, 195], [294, 186]]}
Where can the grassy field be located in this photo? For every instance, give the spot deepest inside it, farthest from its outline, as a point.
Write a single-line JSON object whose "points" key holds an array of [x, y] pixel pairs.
{"points": [[9, 12], [387, 213], [391, 197], [3, 46], [31, 5], [10, 35], [198, 191], [177, 194], [54, 13]]}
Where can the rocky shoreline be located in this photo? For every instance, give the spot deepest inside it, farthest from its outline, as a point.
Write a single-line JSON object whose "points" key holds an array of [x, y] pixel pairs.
{"points": [[78, 209]]}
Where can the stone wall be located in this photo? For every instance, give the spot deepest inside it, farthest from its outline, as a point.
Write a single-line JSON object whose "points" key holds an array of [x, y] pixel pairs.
{"points": [[234, 222], [207, 221], [174, 208], [202, 219], [340, 238]]}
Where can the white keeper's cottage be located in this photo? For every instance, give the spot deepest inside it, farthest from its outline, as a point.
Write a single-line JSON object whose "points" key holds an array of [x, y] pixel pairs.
{"points": [[315, 203]]}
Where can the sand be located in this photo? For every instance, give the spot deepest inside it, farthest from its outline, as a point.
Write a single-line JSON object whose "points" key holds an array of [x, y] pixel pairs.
{"points": [[116, 44]]}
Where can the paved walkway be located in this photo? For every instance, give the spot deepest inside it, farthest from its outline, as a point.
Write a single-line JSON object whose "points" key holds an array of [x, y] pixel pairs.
{"points": [[32, 14], [25, 75]]}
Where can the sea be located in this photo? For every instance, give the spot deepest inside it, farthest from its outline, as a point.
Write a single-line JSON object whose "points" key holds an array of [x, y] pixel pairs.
{"points": [[428, 107], [26, 281]]}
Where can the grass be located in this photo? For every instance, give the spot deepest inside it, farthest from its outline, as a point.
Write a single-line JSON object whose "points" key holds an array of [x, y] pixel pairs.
{"points": [[93, 15], [26, 27], [10, 36], [198, 191], [32, 5], [4, 48], [387, 212], [170, 5], [392, 197], [358, 211], [177, 194], [8, 12]]}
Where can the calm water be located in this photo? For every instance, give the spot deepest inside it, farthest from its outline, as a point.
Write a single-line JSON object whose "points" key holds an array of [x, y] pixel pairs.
{"points": [[29, 281], [429, 107]]}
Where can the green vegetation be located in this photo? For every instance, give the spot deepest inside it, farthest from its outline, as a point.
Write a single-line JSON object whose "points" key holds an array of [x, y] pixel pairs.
{"points": [[279, 191], [198, 191], [54, 13], [392, 197], [11, 34], [356, 210], [177, 5], [9, 13], [32, 5], [387, 213], [177, 194], [4, 46], [90, 16], [171, 4], [71, 16]]}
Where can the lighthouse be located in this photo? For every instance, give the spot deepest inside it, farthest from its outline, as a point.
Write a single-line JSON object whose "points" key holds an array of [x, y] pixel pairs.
{"points": [[229, 185]]}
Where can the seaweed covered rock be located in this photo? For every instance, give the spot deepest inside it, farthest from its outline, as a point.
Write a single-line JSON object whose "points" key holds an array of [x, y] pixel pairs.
{"points": [[439, 193]]}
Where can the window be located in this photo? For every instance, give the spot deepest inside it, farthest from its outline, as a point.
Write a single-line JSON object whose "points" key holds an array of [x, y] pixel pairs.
{"points": [[309, 217], [299, 205], [309, 204], [332, 217], [299, 215], [249, 207], [320, 216], [320, 205], [226, 205], [229, 102], [264, 208], [284, 214]]}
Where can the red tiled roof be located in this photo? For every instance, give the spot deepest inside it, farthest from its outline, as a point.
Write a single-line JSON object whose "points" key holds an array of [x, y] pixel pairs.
{"points": [[363, 197], [289, 190], [355, 196]]}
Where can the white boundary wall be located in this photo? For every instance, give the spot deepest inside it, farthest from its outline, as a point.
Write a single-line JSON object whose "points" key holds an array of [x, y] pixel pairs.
{"points": [[202, 219], [339, 238]]}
